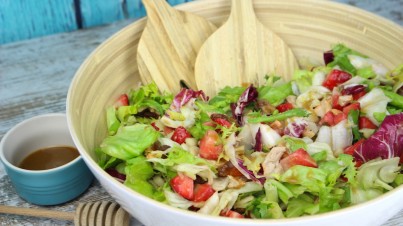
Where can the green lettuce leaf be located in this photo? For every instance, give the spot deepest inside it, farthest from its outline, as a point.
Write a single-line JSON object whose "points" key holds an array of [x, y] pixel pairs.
{"points": [[262, 209], [175, 157], [112, 122], [277, 94], [396, 99], [294, 144], [225, 97], [296, 112], [304, 204], [341, 53], [138, 171], [130, 141], [313, 179], [303, 79]]}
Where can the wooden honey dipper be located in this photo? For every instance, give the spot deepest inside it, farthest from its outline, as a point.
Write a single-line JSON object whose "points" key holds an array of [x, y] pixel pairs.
{"points": [[97, 213]]}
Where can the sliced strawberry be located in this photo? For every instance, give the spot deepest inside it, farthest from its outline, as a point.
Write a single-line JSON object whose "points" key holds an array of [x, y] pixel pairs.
{"points": [[180, 134], [183, 185], [336, 77], [123, 100], [202, 192], [231, 214], [210, 145]]}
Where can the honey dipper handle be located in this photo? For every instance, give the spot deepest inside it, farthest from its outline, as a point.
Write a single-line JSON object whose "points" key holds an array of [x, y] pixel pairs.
{"points": [[37, 212]]}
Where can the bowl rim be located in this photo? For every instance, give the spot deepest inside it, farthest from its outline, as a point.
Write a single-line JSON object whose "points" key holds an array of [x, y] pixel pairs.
{"points": [[217, 219]]}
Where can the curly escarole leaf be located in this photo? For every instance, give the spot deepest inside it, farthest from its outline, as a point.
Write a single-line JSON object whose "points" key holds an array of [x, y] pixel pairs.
{"points": [[386, 142], [378, 173], [130, 141], [373, 178]]}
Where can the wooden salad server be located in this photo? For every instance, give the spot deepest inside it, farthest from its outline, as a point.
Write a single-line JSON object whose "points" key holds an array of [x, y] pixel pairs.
{"points": [[97, 214], [242, 51], [169, 45]]}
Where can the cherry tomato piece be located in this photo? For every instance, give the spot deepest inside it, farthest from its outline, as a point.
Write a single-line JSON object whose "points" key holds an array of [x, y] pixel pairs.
{"points": [[299, 157], [353, 106], [365, 123], [284, 107]]}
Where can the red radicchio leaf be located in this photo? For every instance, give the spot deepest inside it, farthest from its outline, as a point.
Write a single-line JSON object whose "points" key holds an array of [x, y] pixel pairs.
{"points": [[248, 96], [386, 142], [350, 90], [250, 173], [295, 129], [328, 56], [258, 141], [114, 173], [184, 96]]}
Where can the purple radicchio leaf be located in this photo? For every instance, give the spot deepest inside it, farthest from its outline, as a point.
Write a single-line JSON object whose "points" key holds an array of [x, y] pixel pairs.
{"points": [[248, 96], [184, 96], [295, 129], [354, 89], [328, 56], [250, 174], [386, 142], [258, 141], [114, 173]]}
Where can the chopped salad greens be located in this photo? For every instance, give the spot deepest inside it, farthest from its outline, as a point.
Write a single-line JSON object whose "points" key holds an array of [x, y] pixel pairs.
{"points": [[330, 138]]}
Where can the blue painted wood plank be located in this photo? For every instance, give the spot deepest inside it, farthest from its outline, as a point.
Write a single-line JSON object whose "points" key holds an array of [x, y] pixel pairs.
{"points": [[176, 2], [99, 12], [25, 19], [135, 8]]}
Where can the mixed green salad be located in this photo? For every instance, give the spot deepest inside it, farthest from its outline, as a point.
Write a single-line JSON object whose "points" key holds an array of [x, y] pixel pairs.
{"points": [[330, 138]]}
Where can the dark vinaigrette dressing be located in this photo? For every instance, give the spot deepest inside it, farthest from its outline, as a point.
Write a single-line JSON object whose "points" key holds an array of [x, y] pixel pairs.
{"points": [[49, 158]]}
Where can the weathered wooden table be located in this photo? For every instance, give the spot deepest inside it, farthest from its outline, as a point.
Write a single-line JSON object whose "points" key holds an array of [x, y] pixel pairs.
{"points": [[34, 79]]}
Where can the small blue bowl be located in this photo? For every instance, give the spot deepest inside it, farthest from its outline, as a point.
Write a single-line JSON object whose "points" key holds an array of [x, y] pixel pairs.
{"points": [[43, 187]]}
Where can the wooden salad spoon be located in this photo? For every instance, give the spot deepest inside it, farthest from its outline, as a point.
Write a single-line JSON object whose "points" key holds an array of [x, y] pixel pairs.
{"points": [[169, 45], [97, 213], [242, 51]]}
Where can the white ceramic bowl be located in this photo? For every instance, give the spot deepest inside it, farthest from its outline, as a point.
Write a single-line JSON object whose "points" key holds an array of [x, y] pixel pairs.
{"points": [[309, 27]]}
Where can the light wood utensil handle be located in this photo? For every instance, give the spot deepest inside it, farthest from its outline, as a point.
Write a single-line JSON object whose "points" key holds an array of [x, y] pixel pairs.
{"points": [[38, 212], [94, 214]]}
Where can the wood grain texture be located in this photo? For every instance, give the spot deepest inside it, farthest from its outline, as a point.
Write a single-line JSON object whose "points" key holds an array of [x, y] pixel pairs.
{"points": [[25, 19], [242, 51], [169, 45]]}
